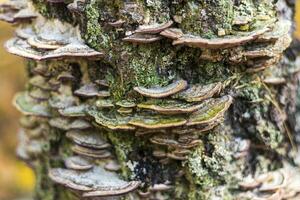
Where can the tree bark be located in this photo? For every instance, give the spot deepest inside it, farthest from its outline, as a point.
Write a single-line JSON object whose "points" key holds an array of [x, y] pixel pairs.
{"points": [[159, 99]]}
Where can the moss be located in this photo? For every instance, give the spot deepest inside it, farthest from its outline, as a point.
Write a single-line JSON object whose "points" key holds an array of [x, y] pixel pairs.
{"points": [[44, 187], [93, 29], [206, 17], [208, 162], [267, 132], [143, 66], [51, 11], [123, 144]]}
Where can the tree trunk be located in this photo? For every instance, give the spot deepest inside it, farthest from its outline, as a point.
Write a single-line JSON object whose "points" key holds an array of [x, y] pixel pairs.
{"points": [[158, 99]]}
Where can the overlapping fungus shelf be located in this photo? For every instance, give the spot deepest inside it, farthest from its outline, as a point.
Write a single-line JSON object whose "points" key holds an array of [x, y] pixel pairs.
{"points": [[16, 12], [142, 38], [69, 124], [78, 163], [169, 106], [227, 42], [158, 99], [161, 92], [153, 29], [113, 121], [195, 93], [93, 153], [28, 106], [94, 182], [280, 184], [50, 41], [213, 109], [157, 121], [74, 111], [88, 138], [91, 90]]}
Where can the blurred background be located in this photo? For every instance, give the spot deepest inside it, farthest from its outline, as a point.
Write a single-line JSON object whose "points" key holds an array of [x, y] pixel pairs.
{"points": [[16, 179]]}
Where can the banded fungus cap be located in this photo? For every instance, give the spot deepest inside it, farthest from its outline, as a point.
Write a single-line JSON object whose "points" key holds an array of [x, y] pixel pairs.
{"points": [[21, 48], [169, 106], [160, 92], [74, 111], [211, 110], [69, 124], [24, 32], [88, 138], [112, 166], [91, 90], [126, 104], [27, 106], [102, 83], [96, 181], [172, 33], [166, 141], [157, 121], [117, 23], [226, 42], [138, 38], [61, 101], [44, 44], [89, 152], [78, 163], [66, 76], [73, 50], [154, 28], [104, 103], [111, 120], [199, 92], [124, 111]]}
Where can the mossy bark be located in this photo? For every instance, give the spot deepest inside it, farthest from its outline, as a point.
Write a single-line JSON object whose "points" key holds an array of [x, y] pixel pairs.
{"points": [[264, 114]]}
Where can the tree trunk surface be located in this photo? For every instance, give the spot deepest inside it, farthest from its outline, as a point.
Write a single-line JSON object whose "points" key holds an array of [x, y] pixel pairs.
{"points": [[159, 99]]}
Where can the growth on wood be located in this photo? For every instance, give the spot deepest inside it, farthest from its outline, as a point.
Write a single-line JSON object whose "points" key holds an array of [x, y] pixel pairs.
{"points": [[158, 99]]}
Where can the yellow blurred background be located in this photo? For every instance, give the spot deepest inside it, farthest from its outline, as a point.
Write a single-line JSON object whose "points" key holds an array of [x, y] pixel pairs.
{"points": [[16, 179]]}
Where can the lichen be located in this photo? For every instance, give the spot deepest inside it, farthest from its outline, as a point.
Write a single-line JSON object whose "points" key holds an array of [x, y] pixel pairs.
{"points": [[53, 11], [123, 144], [207, 163]]}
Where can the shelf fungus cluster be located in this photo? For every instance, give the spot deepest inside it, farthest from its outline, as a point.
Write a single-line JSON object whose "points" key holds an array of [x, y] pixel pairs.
{"points": [[158, 100]]}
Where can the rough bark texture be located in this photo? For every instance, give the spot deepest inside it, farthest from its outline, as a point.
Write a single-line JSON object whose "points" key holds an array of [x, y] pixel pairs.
{"points": [[159, 99]]}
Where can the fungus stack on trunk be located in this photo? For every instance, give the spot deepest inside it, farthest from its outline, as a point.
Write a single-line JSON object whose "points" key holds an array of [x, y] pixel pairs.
{"points": [[160, 99]]}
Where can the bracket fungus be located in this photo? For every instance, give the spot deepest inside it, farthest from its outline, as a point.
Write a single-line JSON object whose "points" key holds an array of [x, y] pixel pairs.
{"points": [[142, 38], [223, 43], [90, 139], [153, 29], [158, 99], [160, 92], [91, 90], [92, 153], [169, 106], [28, 106], [78, 163], [95, 182], [211, 110], [16, 12]]}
